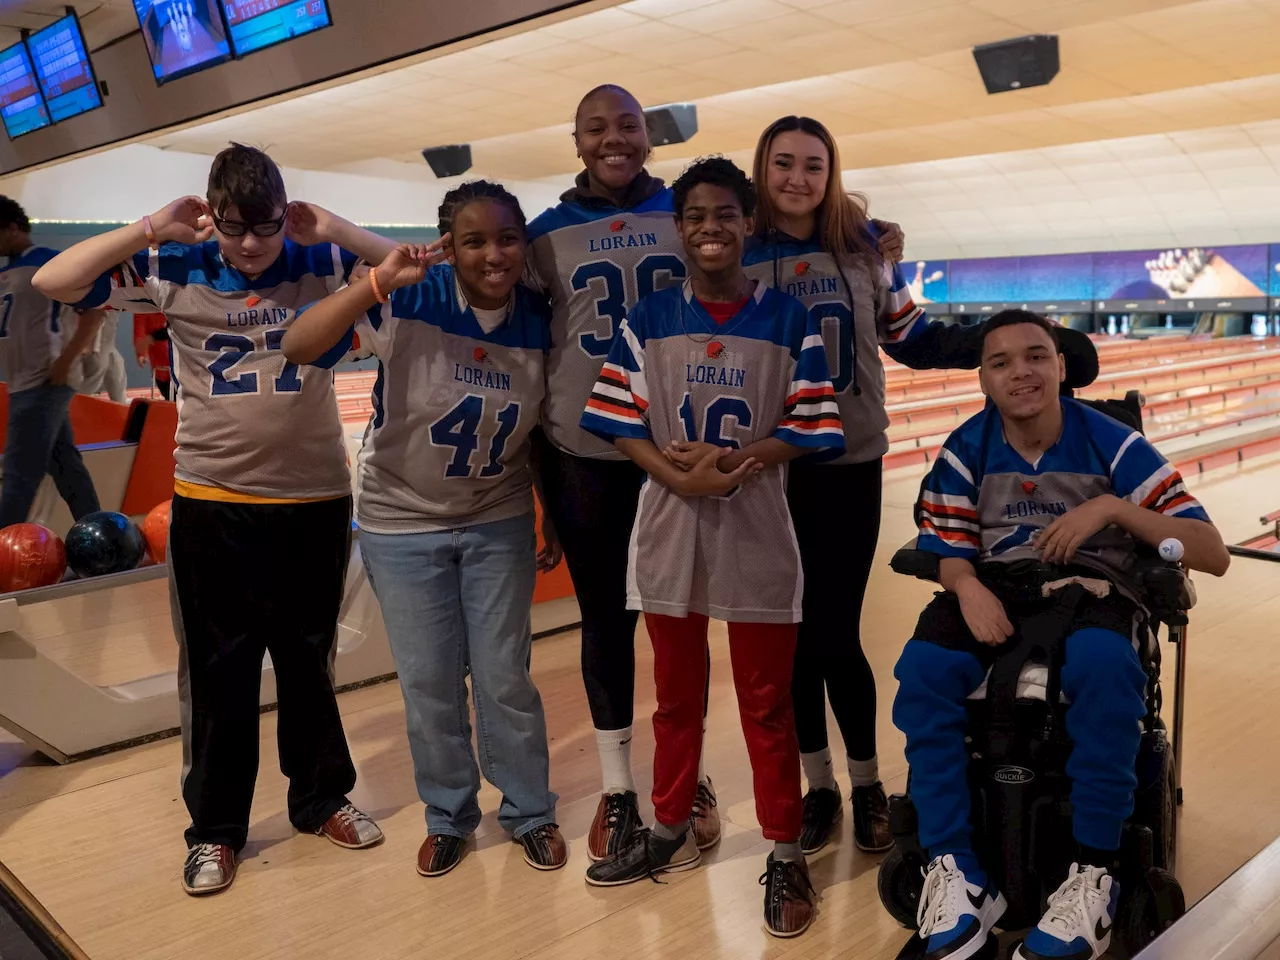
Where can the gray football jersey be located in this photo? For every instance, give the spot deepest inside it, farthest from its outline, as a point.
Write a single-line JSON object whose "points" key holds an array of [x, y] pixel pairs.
{"points": [[858, 311], [675, 374], [453, 406], [33, 329], [595, 265], [248, 420]]}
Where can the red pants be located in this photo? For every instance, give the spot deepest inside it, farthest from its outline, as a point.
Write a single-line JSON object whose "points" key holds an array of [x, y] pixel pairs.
{"points": [[762, 655]]}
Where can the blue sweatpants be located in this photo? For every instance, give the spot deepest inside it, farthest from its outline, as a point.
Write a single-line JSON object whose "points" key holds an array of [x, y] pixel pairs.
{"points": [[1105, 684]]}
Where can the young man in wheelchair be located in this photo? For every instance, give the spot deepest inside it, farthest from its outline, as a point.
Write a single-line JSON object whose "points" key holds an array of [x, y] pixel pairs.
{"points": [[1035, 479]]}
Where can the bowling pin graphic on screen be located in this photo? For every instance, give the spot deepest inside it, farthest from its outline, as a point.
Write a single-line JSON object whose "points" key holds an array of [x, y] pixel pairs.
{"points": [[1199, 272]]}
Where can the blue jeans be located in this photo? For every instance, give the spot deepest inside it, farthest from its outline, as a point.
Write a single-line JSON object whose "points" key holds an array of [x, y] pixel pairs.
{"points": [[458, 601], [1105, 684], [39, 441]]}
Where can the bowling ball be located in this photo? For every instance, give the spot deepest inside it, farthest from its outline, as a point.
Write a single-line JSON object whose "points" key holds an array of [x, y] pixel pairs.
{"points": [[104, 542], [156, 530], [30, 556]]}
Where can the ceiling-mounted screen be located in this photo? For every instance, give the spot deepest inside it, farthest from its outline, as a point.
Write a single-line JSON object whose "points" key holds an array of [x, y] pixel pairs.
{"points": [[62, 66], [21, 105], [182, 36], [255, 24]]}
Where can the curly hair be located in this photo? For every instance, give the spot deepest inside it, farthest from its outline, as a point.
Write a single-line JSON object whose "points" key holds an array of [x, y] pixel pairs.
{"points": [[474, 190], [11, 214], [719, 171]]}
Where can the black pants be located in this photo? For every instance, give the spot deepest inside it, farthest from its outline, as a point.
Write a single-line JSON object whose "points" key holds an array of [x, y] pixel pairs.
{"points": [[247, 579], [836, 513], [593, 505]]}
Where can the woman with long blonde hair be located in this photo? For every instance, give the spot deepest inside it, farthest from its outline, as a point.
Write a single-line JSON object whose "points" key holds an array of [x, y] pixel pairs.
{"points": [[814, 241]]}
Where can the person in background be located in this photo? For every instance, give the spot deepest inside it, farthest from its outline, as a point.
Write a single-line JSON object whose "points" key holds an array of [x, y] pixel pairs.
{"points": [[261, 473], [151, 346], [103, 364], [41, 342], [813, 240]]}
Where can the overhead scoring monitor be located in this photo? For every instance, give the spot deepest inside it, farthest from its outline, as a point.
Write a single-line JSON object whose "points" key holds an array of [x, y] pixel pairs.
{"points": [[22, 106], [182, 36], [62, 66], [256, 24]]}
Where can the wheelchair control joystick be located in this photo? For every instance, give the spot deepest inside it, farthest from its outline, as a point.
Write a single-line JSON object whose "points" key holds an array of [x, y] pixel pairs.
{"points": [[1171, 549]]}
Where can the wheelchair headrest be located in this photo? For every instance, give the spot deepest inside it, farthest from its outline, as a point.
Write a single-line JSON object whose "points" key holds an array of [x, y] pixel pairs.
{"points": [[1081, 357]]}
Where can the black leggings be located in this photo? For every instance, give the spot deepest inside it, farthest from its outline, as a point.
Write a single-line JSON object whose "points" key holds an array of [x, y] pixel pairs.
{"points": [[593, 505], [836, 512]]}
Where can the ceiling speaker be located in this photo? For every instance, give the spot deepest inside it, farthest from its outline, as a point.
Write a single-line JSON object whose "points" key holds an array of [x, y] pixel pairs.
{"points": [[674, 123], [451, 161], [1021, 62]]}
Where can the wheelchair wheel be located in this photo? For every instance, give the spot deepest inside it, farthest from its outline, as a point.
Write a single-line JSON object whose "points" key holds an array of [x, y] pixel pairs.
{"points": [[1155, 903], [900, 885], [1164, 830]]}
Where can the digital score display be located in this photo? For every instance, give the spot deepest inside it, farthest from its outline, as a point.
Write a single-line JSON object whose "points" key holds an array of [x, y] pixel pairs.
{"points": [[258, 24], [22, 106], [182, 36], [62, 66]]}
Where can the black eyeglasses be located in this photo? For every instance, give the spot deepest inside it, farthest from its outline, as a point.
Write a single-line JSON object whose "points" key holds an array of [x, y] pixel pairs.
{"points": [[238, 228]]}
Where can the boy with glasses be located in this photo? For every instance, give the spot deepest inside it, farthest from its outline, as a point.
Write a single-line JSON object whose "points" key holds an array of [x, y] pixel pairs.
{"points": [[261, 522]]}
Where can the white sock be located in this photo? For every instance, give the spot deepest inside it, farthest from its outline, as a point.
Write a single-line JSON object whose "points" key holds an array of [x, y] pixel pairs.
{"points": [[702, 754], [615, 760], [818, 770], [864, 773]]}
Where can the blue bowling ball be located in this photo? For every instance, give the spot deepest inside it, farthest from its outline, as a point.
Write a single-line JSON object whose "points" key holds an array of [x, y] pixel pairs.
{"points": [[104, 542]]}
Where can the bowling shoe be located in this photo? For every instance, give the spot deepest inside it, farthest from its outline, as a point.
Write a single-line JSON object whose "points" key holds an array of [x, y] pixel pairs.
{"points": [[351, 828]]}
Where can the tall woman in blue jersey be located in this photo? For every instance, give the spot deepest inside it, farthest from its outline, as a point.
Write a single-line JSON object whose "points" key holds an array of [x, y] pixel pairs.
{"points": [[446, 510], [814, 241]]}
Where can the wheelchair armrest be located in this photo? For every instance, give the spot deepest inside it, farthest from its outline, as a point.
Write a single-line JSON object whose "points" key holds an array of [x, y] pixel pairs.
{"points": [[1166, 588], [911, 562]]}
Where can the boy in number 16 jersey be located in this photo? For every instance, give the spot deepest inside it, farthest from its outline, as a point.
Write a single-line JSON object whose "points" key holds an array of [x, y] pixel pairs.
{"points": [[711, 388], [261, 522]]}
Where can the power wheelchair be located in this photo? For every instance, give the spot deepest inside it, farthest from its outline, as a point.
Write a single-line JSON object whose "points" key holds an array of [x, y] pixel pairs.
{"points": [[1018, 745]]}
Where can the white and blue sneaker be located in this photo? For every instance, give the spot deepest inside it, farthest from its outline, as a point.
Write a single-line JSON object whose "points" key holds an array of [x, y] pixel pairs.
{"points": [[1077, 925], [956, 916]]}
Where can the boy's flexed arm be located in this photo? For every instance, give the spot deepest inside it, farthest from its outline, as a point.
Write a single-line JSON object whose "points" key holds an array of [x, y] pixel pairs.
{"points": [[73, 275]]}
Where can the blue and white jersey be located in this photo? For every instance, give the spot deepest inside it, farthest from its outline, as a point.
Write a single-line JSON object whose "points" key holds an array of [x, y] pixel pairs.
{"points": [[983, 502], [860, 305], [33, 329], [248, 420], [675, 374], [595, 262], [457, 394]]}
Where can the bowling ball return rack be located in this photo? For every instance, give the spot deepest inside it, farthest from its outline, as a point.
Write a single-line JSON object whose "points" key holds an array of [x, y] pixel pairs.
{"points": [[67, 718]]}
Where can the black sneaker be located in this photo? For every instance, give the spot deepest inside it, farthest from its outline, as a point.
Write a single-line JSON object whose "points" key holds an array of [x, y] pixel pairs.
{"points": [[645, 855], [871, 819], [789, 897], [822, 810]]}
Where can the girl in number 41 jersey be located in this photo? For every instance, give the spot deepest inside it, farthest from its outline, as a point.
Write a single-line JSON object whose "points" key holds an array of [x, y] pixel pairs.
{"points": [[611, 241], [446, 510]]}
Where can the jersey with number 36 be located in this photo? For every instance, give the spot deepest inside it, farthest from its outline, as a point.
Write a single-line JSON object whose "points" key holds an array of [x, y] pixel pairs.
{"points": [[248, 420], [595, 264], [453, 406]]}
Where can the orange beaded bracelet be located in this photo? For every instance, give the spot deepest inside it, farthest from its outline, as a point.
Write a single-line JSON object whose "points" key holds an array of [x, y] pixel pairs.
{"points": [[373, 282]]}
